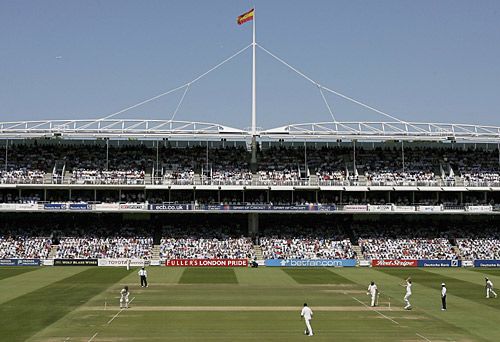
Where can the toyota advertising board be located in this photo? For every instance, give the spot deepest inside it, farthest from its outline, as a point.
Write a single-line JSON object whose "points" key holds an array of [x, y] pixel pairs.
{"points": [[122, 262]]}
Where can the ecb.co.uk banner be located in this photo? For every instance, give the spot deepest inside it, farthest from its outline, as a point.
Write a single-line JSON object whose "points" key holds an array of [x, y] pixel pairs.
{"points": [[19, 262], [169, 207], [395, 263], [75, 262], [123, 262], [206, 263], [440, 263], [486, 263], [310, 263]]}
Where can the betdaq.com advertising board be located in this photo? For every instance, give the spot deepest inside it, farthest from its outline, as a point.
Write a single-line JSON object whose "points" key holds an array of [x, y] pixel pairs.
{"points": [[310, 263]]}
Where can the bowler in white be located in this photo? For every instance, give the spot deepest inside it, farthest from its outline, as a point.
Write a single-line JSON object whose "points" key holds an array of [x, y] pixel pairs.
{"points": [[307, 314], [408, 294]]}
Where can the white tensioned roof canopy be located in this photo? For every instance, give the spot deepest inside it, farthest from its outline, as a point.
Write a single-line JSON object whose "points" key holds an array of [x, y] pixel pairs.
{"points": [[323, 131], [111, 127]]}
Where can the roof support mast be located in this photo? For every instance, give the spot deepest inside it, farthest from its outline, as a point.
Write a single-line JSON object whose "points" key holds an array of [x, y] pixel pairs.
{"points": [[253, 162], [254, 90]]}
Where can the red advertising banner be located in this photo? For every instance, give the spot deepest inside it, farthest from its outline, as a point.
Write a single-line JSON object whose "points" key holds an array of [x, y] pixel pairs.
{"points": [[394, 263], [206, 263]]}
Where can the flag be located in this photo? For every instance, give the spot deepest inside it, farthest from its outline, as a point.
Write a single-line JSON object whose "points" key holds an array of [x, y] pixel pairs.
{"points": [[245, 17]]}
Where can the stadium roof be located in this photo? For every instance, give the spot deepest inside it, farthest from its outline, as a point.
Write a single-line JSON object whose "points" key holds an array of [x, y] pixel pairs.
{"points": [[324, 131]]}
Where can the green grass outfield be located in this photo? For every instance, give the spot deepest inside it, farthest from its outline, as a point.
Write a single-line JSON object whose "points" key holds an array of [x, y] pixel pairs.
{"points": [[212, 304]]}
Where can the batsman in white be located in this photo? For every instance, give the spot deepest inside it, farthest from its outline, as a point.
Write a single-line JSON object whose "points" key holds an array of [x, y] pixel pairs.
{"points": [[373, 292], [307, 314], [489, 288], [124, 297], [408, 294]]}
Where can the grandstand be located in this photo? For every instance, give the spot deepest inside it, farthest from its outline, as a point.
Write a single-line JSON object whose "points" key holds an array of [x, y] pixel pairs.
{"points": [[187, 195]]}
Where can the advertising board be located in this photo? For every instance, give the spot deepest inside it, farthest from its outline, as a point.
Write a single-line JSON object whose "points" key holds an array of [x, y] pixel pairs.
{"points": [[395, 263], [310, 263], [486, 263], [80, 206], [75, 262], [20, 262], [122, 262], [206, 263], [440, 263]]}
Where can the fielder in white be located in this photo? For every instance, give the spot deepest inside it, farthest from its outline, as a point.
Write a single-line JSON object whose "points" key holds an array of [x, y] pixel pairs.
{"points": [[373, 292], [124, 297], [307, 314], [408, 294], [489, 288]]}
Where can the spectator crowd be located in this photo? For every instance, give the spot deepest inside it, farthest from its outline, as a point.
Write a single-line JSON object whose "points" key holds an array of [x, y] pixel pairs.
{"points": [[306, 248], [114, 247], [24, 247]]}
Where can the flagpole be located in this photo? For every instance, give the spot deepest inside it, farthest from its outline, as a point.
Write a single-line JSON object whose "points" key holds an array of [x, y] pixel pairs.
{"points": [[254, 92]]}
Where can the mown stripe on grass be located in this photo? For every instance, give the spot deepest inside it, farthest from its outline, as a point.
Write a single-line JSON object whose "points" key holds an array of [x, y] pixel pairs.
{"points": [[489, 271], [208, 276], [315, 276], [7, 272], [24, 316], [460, 288]]}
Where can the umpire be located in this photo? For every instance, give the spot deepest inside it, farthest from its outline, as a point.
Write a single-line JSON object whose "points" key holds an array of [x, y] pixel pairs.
{"points": [[144, 277], [443, 296]]}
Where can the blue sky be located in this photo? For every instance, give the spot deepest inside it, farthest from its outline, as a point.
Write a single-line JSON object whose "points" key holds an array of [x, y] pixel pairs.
{"points": [[434, 61]]}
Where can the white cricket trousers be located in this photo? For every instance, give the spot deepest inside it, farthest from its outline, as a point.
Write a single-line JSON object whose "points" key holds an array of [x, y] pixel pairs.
{"points": [[308, 325], [374, 299], [124, 302], [490, 292], [407, 300]]}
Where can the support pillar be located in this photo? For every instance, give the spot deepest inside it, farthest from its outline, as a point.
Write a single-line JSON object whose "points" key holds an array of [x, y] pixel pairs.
{"points": [[253, 224], [253, 161]]}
